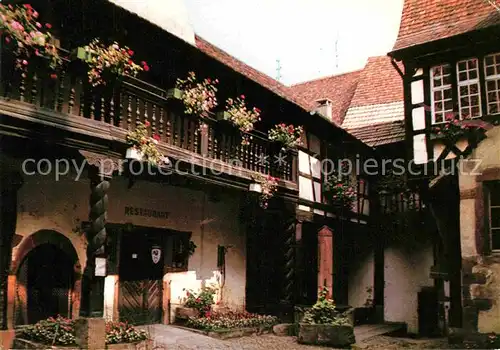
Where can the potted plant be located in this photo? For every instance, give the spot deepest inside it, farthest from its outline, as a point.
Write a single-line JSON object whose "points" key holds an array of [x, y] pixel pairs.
{"points": [[266, 186], [108, 62], [198, 97], [144, 147], [196, 304], [27, 36], [288, 136], [238, 114], [324, 324]]}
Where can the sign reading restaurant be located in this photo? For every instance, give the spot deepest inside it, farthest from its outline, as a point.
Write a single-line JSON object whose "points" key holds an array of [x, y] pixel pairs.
{"points": [[149, 213]]}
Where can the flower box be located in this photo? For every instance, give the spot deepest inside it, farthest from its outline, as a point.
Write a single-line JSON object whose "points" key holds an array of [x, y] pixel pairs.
{"points": [[174, 94], [20, 343], [183, 313], [338, 336], [134, 153], [223, 116], [255, 187]]}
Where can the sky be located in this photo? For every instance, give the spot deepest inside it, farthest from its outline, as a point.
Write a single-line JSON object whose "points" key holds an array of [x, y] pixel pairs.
{"points": [[301, 34]]}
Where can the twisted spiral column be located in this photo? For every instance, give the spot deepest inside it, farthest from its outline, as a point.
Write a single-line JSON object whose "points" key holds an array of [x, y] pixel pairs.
{"points": [[289, 240], [93, 286], [98, 212]]}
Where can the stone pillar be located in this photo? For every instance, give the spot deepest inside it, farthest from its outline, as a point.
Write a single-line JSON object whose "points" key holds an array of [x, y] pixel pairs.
{"points": [[325, 259]]}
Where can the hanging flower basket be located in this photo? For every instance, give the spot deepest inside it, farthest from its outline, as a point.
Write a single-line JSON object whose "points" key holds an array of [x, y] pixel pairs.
{"points": [[144, 147], [339, 191], [108, 61], [198, 96], [27, 36], [288, 136], [266, 186], [134, 153], [238, 114]]}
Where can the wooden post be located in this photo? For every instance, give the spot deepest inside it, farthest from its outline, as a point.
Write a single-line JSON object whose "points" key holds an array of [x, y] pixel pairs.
{"points": [[325, 259], [9, 186]]}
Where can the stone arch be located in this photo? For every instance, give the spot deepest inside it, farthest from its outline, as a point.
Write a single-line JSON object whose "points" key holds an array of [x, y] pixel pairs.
{"points": [[18, 305]]}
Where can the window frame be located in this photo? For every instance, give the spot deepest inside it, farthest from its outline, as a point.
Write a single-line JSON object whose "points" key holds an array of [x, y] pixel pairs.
{"points": [[468, 82], [488, 215], [487, 78], [441, 88]]}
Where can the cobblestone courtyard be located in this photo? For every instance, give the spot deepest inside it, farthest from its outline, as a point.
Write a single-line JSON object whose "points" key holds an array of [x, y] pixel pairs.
{"points": [[172, 338]]}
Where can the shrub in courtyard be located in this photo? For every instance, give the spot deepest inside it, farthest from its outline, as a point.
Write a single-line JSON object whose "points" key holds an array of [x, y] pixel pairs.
{"points": [[61, 331], [212, 321], [325, 312], [201, 301]]}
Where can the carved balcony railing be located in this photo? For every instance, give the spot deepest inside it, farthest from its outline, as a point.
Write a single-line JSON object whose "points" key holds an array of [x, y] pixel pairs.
{"points": [[125, 102]]}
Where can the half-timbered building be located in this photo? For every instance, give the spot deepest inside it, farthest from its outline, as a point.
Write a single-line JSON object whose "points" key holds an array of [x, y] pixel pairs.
{"points": [[447, 56], [84, 234], [369, 104]]}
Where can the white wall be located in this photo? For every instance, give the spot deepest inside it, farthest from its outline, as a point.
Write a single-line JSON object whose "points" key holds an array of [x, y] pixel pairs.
{"points": [[63, 205], [406, 271]]}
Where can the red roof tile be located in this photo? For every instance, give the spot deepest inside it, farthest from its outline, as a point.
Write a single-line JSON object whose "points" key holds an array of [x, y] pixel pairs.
{"points": [[428, 20], [380, 134], [338, 88], [251, 73], [379, 83]]}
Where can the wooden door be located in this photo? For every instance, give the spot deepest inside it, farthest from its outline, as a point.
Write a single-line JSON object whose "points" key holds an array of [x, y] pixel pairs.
{"points": [[141, 276]]}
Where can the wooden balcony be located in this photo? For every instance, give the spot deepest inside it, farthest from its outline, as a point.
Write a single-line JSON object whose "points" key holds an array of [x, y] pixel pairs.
{"points": [[69, 102]]}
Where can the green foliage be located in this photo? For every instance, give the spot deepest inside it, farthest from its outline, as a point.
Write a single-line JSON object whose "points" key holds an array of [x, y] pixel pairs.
{"points": [[52, 331], [212, 321], [201, 301], [20, 27], [288, 135], [122, 332], [325, 312], [140, 139], [61, 331], [199, 97]]}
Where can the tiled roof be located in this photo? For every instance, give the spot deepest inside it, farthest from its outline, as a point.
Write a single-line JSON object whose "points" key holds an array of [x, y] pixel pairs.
{"points": [[428, 20], [337, 88], [380, 134], [368, 115], [379, 83], [251, 73]]}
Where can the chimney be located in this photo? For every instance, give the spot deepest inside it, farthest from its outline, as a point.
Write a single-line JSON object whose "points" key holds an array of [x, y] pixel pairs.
{"points": [[325, 107]]}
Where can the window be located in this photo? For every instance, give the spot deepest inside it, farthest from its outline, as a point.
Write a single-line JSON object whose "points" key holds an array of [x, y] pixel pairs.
{"points": [[441, 93], [492, 75], [469, 101], [494, 214], [363, 201]]}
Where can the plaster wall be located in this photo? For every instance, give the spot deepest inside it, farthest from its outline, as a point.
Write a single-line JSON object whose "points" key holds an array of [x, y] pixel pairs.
{"points": [[481, 165], [406, 271], [61, 206]]}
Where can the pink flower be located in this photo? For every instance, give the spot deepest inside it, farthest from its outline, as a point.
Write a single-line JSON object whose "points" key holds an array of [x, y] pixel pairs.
{"points": [[130, 52], [48, 25], [25, 63], [242, 97], [156, 137], [53, 76], [38, 25], [7, 39], [146, 123]]}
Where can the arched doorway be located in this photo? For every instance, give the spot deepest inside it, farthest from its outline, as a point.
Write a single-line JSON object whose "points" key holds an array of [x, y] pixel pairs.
{"points": [[47, 275], [49, 283]]}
